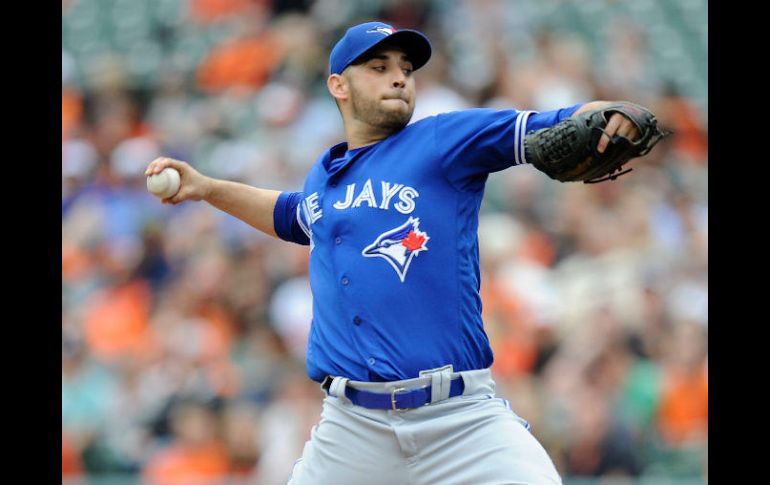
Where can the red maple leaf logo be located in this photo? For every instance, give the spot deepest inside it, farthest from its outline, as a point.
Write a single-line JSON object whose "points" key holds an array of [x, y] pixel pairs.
{"points": [[413, 242]]}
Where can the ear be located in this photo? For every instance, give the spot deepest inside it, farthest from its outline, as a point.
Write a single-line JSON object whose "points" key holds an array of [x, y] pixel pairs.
{"points": [[338, 87]]}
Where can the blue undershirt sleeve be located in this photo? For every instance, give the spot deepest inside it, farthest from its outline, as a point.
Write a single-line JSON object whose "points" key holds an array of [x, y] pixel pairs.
{"points": [[287, 218], [546, 119]]}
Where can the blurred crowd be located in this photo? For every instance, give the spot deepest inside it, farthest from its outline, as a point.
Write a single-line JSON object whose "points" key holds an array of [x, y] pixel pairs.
{"points": [[184, 330]]}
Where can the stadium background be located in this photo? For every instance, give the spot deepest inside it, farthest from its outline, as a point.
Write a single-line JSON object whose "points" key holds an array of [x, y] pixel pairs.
{"points": [[183, 330]]}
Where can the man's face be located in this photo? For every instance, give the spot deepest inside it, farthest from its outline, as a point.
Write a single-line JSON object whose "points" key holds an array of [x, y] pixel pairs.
{"points": [[382, 89]]}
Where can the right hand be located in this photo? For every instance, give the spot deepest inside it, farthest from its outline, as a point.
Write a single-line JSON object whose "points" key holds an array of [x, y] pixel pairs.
{"points": [[194, 185]]}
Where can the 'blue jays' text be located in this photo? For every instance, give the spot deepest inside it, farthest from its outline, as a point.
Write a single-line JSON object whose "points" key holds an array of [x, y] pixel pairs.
{"points": [[359, 195]]}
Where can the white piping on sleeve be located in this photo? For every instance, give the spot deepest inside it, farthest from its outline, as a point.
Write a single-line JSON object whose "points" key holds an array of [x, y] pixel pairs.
{"points": [[301, 222], [518, 135]]}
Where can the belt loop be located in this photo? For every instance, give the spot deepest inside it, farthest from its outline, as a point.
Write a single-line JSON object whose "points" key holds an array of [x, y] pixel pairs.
{"points": [[441, 382], [337, 388], [478, 382]]}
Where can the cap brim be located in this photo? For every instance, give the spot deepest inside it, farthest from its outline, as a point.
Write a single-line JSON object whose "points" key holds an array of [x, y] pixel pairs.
{"points": [[416, 46]]}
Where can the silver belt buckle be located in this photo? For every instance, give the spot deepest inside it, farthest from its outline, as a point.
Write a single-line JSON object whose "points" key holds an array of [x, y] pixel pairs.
{"points": [[393, 398]]}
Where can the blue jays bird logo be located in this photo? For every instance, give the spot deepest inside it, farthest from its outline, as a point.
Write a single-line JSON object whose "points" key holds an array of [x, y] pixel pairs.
{"points": [[399, 246], [381, 30]]}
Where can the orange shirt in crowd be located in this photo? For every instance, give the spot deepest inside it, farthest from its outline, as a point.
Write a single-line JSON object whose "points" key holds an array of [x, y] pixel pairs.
{"points": [[220, 331], [218, 336], [683, 412], [75, 262], [116, 321], [536, 246], [71, 463], [511, 332], [690, 137], [244, 63], [208, 11], [183, 465], [71, 112]]}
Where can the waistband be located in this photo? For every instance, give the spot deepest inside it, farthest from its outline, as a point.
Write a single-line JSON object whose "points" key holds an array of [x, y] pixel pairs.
{"points": [[432, 386]]}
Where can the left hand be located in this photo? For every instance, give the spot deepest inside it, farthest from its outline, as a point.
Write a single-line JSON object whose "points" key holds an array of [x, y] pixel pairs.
{"points": [[617, 125]]}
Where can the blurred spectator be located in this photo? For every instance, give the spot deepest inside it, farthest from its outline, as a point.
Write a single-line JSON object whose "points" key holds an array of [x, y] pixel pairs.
{"points": [[174, 115], [78, 165], [639, 399], [408, 14], [113, 113], [245, 61], [686, 120], [115, 319], [71, 464], [241, 435], [684, 398], [303, 64], [562, 78], [154, 266], [434, 92], [286, 425], [212, 11], [625, 70], [196, 454], [599, 445], [128, 156], [89, 389], [71, 112], [291, 311]]}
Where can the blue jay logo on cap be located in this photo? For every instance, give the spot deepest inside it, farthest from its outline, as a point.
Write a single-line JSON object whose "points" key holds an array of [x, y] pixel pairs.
{"points": [[357, 40], [399, 246], [381, 30]]}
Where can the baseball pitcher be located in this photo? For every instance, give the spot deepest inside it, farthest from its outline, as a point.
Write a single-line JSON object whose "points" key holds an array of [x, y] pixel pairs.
{"points": [[390, 216]]}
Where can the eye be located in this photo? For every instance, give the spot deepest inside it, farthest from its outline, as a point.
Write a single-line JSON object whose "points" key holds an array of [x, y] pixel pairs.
{"points": [[379, 68], [408, 71]]}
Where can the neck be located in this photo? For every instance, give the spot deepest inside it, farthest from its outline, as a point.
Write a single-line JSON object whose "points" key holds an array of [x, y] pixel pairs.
{"points": [[360, 134]]}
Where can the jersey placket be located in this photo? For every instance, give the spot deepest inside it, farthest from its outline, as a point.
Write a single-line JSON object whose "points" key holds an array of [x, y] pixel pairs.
{"points": [[337, 242]]}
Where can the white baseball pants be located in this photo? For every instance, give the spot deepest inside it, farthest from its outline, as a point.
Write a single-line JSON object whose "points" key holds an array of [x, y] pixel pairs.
{"points": [[471, 439]]}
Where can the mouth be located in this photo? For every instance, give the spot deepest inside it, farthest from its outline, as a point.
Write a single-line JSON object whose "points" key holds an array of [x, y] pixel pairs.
{"points": [[396, 99]]}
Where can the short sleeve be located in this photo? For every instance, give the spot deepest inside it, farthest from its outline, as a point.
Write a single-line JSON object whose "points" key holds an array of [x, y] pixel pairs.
{"points": [[474, 143], [288, 219]]}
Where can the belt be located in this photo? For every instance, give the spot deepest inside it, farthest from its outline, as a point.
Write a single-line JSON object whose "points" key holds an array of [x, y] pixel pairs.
{"points": [[399, 398]]}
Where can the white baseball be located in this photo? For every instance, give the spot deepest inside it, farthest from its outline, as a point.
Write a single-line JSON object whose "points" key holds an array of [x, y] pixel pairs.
{"points": [[164, 184]]}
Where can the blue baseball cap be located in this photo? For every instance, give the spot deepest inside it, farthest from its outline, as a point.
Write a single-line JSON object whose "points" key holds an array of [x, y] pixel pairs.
{"points": [[363, 37]]}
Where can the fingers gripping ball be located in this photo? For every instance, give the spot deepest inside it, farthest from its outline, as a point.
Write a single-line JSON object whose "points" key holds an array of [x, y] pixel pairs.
{"points": [[164, 184], [567, 151]]}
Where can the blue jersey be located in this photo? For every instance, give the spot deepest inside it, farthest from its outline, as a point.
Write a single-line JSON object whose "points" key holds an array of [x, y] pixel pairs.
{"points": [[392, 229]]}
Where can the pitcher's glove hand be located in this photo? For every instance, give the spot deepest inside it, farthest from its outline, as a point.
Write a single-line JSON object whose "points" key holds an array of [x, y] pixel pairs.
{"points": [[567, 151]]}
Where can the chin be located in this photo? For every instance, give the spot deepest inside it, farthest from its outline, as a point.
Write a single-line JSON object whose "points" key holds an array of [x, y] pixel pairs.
{"points": [[392, 121]]}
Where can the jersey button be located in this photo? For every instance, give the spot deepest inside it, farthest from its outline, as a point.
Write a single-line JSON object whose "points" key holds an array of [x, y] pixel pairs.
{"points": [[357, 320], [345, 281], [338, 240], [371, 361]]}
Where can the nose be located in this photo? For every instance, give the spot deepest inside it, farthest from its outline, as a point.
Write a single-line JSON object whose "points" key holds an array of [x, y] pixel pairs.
{"points": [[399, 81]]}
